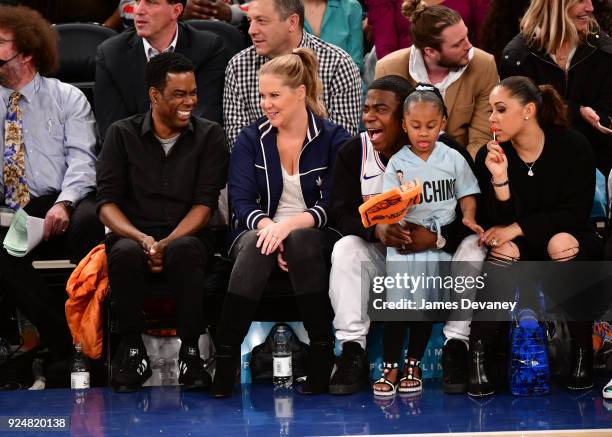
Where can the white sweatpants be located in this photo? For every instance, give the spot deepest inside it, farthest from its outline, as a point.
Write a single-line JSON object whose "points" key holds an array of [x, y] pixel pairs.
{"points": [[468, 251], [348, 290]]}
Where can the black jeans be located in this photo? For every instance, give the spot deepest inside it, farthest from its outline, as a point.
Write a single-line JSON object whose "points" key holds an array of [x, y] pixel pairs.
{"points": [[25, 288], [184, 267], [308, 254], [307, 251], [496, 332]]}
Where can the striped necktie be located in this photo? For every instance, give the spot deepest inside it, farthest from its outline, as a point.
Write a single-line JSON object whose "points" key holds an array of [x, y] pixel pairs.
{"points": [[16, 192]]}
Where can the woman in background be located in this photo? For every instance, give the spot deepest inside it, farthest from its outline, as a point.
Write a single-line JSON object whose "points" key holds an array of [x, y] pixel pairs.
{"points": [[560, 44], [337, 22]]}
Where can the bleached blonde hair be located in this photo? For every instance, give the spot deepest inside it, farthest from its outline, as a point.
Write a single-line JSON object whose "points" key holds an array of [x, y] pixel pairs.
{"points": [[547, 24]]}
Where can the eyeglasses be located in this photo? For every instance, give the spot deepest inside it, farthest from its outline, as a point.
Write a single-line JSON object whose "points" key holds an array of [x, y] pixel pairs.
{"points": [[5, 61]]}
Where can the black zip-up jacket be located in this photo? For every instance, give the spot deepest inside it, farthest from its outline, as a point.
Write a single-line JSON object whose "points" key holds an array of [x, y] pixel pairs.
{"points": [[587, 82]]}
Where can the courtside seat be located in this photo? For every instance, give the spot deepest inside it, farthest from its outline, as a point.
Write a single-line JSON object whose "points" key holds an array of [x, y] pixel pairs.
{"points": [[78, 44], [232, 38]]}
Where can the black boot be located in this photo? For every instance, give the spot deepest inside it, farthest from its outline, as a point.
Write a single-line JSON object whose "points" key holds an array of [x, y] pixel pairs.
{"points": [[227, 360], [234, 324], [352, 371], [581, 375], [479, 384], [320, 365], [455, 364], [317, 316]]}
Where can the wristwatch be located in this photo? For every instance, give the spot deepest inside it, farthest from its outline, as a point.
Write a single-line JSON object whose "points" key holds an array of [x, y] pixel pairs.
{"points": [[68, 205], [440, 242]]}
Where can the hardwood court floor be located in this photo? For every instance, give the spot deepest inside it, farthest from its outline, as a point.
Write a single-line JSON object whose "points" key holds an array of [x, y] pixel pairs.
{"points": [[258, 411]]}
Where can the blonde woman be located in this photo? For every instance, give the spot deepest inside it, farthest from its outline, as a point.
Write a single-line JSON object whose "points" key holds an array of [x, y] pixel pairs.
{"points": [[560, 44], [279, 183]]}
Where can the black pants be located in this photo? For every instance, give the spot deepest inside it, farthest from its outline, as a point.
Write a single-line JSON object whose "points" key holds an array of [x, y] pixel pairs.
{"points": [[591, 249], [184, 266], [393, 339], [307, 251], [308, 254], [24, 287]]}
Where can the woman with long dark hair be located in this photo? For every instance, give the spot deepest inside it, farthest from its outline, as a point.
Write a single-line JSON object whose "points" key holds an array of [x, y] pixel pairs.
{"points": [[537, 182]]}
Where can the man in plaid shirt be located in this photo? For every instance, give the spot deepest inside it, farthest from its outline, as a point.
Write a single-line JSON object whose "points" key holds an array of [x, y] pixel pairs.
{"points": [[276, 28]]}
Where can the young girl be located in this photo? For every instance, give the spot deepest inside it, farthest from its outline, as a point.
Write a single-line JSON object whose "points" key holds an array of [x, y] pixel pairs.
{"points": [[446, 179]]}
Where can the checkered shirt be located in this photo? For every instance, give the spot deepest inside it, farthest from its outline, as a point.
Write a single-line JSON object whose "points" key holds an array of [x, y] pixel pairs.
{"points": [[341, 87]]}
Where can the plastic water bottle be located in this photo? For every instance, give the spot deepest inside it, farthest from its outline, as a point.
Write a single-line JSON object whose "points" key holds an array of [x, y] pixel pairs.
{"points": [[283, 410], [282, 375], [79, 371], [529, 372]]}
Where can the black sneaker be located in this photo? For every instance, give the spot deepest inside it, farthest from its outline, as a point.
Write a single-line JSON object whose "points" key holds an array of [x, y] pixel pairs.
{"points": [[455, 362], [192, 372], [134, 368], [352, 372]]}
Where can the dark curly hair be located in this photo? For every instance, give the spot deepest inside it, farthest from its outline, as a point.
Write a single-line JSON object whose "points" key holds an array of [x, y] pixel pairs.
{"points": [[157, 69], [33, 36], [398, 85]]}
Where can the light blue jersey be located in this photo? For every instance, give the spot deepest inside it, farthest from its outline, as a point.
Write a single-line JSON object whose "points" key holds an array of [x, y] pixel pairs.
{"points": [[445, 177]]}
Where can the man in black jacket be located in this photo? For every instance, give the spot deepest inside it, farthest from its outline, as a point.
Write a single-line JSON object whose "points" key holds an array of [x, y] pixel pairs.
{"points": [[358, 175], [121, 60]]}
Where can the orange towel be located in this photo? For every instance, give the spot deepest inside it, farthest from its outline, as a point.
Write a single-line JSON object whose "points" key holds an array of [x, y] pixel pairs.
{"points": [[87, 288]]}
